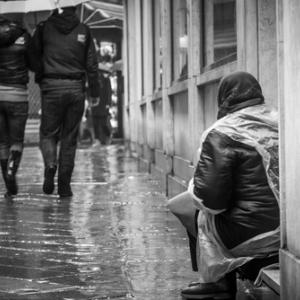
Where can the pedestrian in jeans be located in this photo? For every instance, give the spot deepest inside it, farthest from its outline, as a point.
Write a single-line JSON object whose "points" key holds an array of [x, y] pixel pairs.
{"points": [[231, 208], [66, 53], [14, 64], [100, 112]]}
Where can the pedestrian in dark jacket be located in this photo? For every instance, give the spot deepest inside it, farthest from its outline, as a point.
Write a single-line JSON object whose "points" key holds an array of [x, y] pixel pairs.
{"points": [[14, 64], [67, 57], [231, 208], [100, 112]]}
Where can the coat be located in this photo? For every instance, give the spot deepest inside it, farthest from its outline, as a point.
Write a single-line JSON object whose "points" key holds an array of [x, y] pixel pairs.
{"points": [[236, 181], [15, 59]]}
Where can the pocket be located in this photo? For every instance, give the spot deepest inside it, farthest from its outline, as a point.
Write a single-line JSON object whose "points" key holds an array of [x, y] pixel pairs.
{"points": [[19, 108]]}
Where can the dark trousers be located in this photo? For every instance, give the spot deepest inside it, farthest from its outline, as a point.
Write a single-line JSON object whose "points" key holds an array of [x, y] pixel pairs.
{"points": [[13, 117], [62, 110], [102, 128]]}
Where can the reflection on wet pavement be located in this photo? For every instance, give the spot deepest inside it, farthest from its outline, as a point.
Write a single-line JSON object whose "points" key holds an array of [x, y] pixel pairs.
{"points": [[114, 239]]}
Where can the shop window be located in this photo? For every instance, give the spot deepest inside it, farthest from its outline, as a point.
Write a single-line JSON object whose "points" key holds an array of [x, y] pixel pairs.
{"points": [[219, 32], [157, 44], [180, 39]]}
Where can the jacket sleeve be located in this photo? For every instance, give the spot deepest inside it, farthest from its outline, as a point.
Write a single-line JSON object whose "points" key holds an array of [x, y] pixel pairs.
{"points": [[92, 67], [213, 177], [30, 58], [35, 52]]}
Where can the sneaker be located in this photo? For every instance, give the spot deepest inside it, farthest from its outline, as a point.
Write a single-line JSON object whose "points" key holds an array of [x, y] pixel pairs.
{"points": [[96, 144], [8, 196], [48, 186]]}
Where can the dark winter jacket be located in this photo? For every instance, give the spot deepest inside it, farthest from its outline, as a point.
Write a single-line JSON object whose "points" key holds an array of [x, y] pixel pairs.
{"points": [[14, 56], [65, 50], [230, 175], [105, 97]]}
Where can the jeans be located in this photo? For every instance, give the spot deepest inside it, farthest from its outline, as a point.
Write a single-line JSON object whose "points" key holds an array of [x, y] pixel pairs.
{"points": [[102, 128], [13, 117], [62, 110]]}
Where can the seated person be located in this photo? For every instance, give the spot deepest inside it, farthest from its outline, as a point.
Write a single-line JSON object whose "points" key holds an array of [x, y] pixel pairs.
{"points": [[231, 208]]}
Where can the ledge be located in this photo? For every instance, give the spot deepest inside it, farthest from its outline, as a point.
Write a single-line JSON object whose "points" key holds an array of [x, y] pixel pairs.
{"points": [[271, 278], [178, 87], [216, 74]]}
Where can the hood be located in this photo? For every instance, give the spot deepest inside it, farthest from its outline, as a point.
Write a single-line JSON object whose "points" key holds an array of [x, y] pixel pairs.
{"points": [[9, 32], [236, 91], [66, 21]]}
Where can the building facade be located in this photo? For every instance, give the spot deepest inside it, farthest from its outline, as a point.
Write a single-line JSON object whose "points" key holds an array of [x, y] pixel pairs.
{"points": [[176, 52]]}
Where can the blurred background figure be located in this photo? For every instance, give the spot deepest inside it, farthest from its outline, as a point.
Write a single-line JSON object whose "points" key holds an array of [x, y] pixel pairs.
{"points": [[100, 113]]}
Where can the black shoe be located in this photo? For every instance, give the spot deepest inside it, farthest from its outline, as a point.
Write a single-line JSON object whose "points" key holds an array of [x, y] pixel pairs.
{"points": [[64, 190], [217, 290], [64, 183], [48, 186]]}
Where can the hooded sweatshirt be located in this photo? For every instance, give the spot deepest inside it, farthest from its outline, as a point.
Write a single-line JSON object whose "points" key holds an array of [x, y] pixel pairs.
{"points": [[66, 51]]}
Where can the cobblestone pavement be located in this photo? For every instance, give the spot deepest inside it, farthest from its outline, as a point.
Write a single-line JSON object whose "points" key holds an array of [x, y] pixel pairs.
{"points": [[114, 239]]}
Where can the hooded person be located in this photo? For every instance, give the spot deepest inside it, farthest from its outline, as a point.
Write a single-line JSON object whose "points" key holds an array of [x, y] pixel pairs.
{"points": [[231, 208], [15, 61], [66, 58]]}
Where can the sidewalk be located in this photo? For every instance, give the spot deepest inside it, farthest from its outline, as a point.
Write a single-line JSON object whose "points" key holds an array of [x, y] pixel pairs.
{"points": [[114, 240]]}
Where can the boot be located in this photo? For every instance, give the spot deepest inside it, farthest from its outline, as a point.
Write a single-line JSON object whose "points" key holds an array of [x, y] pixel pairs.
{"points": [[48, 186], [12, 167], [64, 184], [3, 163]]}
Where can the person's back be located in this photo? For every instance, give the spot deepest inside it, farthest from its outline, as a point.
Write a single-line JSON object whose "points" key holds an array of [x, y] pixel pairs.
{"points": [[67, 58], [66, 51], [14, 59], [231, 177]]}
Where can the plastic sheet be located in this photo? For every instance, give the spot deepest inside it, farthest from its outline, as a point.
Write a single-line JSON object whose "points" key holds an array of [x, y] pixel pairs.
{"points": [[255, 126]]}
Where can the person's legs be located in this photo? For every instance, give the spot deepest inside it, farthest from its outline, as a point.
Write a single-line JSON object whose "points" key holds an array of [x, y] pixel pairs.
{"points": [[17, 114], [183, 208], [107, 128], [68, 139], [101, 130], [96, 126], [51, 120], [4, 141]]}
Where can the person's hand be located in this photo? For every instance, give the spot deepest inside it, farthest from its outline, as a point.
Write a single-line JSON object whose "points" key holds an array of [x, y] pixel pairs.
{"points": [[94, 101]]}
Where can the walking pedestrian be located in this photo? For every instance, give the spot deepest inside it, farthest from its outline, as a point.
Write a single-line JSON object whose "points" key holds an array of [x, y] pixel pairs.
{"points": [[14, 64], [100, 112], [67, 56], [231, 209]]}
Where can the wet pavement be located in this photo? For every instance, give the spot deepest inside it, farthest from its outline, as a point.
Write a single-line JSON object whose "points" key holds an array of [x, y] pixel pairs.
{"points": [[115, 239]]}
